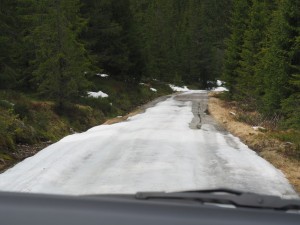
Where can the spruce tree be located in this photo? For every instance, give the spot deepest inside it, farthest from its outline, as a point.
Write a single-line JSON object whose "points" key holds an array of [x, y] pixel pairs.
{"points": [[108, 36], [212, 32], [247, 82], [276, 63], [9, 43], [291, 105], [234, 43], [157, 35], [61, 61]]}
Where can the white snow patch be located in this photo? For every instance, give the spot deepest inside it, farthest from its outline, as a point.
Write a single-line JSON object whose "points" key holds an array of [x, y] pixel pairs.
{"points": [[102, 75], [219, 89], [258, 128], [233, 113], [98, 94], [194, 92], [153, 89], [219, 83], [175, 88], [143, 84]]}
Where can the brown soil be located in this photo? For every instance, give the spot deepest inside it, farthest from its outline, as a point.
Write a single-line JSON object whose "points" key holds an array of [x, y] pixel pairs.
{"points": [[269, 148], [122, 118]]}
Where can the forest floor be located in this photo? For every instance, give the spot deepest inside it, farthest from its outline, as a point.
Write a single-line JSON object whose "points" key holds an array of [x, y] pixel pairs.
{"points": [[262, 141]]}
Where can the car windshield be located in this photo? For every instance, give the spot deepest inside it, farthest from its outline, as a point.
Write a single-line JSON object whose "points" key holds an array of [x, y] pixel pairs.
{"points": [[119, 97]]}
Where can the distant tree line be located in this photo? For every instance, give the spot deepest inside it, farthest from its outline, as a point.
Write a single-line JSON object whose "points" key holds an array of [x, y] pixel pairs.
{"points": [[262, 58], [52, 47]]}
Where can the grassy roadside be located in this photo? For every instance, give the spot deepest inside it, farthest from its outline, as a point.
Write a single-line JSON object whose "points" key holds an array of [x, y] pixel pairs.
{"points": [[29, 123], [273, 145]]}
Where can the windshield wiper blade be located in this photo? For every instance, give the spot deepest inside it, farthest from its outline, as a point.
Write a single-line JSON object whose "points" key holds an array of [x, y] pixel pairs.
{"points": [[228, 197], [218, 190]]}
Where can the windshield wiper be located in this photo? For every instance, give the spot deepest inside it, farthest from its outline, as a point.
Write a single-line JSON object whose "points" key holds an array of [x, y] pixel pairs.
{"points": [[228, 197]]}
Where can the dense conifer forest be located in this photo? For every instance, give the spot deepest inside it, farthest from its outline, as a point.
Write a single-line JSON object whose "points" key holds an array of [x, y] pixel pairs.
{"points": [[52, 50], [54, 47], [262, 58]]}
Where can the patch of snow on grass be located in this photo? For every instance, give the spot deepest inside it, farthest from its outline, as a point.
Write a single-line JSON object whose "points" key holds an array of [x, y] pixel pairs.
{"points": [[143, 84], [175, 88], [219, 83], [102, 75], [153, 89], [220, 89], [258, 128], [98, 94]]}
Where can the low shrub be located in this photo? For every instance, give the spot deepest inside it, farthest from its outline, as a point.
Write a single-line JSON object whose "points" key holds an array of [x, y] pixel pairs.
{"points": [[85, 117], [6, 104], [291, 138], [22, 109]]}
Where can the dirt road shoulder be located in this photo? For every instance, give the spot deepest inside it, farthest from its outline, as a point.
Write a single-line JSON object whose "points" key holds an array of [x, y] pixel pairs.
{"points": [[138, 110], [268, 148]]}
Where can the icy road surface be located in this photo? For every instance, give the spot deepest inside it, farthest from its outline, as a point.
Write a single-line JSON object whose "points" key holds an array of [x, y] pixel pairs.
{"points": [[172, 146]]}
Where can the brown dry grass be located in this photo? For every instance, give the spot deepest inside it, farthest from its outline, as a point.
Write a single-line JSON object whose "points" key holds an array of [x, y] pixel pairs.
{"points": [[123, 118], [269, 148]]}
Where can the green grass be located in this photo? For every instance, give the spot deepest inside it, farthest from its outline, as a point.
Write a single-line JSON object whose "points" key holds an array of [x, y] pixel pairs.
{"points": [[24, 121], [5, 156], [29, 119], [123, 97]]}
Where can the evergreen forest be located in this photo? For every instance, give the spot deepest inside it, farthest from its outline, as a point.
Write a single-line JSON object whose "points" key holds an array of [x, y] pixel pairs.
{"points": [[53, 51]]}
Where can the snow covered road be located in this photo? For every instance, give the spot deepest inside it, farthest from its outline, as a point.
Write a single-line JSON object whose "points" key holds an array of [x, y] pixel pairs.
{"points": [[172, 146]]}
